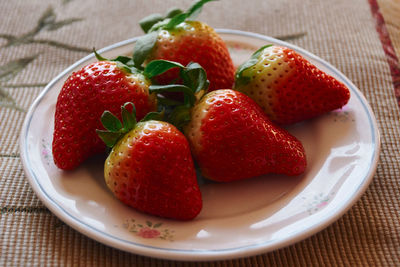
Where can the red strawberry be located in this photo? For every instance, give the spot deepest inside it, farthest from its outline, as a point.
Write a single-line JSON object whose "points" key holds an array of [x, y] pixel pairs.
{"points": [[288, 87], [177, 37], [103, 85], [150, 168], [231, 138]]}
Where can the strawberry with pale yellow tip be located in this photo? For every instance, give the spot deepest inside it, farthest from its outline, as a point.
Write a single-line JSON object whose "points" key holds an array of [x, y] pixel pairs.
{"points": [[150, 167], [287, 86], [232, 139]]}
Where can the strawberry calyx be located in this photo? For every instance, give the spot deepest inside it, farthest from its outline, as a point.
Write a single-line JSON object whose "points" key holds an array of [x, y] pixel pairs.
{"points": [[148, 22], [193, 87], [123, 62], [154, 23], [115, 129], [240, 78], [193, 74], [194, 79], [172, 18]]}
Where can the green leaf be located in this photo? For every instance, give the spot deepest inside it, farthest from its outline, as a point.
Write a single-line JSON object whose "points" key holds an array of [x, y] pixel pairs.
{"points": [[195, 77], [123, 62], [168, 102], [196, 8], [180, 116], [109, 138], [123, 59], [157, 116], [143, 47], [149, 224], [155, 21], [148, 22], [240, 79], [114, 128], [128, 118], [123, 67], [131, 64], [173, 18], [110, 122], [127, 68], [157, 67], [173, 12], [159, 25], [190, 98], [98, 56], [178, 19]]}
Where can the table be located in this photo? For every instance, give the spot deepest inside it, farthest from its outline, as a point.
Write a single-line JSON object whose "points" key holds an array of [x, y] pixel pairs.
{"points": [[38, 39]]}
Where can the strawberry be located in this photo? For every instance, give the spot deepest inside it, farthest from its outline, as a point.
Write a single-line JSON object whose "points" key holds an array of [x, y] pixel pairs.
{"points": [[86, 94], [178, 37], [150, 167], [230, 136], [231, 139], [288, 87]]}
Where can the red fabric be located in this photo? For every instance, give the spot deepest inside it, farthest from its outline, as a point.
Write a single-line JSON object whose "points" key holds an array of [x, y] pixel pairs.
{"points": [[387, 45]]}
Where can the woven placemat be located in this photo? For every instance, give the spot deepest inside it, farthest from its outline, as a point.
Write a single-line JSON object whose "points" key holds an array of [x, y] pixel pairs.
{"points": [[38, 39]]}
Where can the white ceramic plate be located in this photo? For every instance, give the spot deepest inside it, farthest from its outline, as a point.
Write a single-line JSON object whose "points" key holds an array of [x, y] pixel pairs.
{"points": [[238, 219]]}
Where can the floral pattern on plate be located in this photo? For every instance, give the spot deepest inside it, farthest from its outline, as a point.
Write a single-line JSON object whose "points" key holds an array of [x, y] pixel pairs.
{"points": [[149, 229], [317, 202], [46, 151]]}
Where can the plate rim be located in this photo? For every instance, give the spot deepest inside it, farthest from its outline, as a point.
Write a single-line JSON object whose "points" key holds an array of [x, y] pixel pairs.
{"points": [[198, 255]]}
